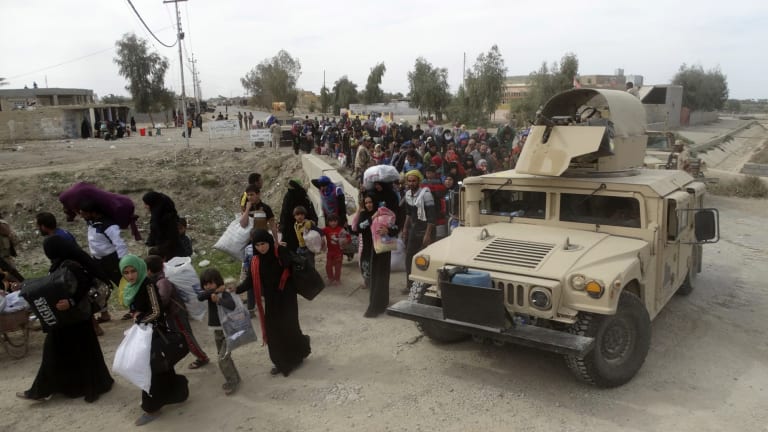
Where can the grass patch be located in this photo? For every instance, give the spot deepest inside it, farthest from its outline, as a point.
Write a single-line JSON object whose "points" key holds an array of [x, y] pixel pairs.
{"points": [[745, 187], [209, 181], [225, 264]]}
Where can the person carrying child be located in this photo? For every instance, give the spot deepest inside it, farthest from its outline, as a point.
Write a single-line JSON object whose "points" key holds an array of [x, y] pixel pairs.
{"points": [[177, 317], [216, 295], [335, 238]]}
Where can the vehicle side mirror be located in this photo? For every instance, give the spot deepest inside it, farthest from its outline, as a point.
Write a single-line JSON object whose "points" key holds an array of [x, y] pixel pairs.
{"points": [[706, 226]]}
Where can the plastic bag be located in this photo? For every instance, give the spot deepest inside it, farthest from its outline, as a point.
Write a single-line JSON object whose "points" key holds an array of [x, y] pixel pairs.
{"points": [[132, 356], [313, 241], [180, 272], [234, 239], [236, 324], [384, 217], [380, 173], [397, 261]]}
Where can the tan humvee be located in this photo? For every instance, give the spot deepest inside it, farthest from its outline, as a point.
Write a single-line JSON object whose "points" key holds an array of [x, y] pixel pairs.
{"points": [[582, 246]]}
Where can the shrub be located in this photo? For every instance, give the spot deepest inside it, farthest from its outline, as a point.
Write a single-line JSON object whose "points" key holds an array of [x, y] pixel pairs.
{"points": [[744, 187]]}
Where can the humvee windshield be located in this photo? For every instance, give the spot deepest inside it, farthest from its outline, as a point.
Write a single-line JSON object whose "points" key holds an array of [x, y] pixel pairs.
{"points": [[600, 210], [514, 203], [657, 142]]}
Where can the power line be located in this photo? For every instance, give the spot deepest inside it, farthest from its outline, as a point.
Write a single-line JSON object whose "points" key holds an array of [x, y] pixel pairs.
{"points": [[148, 29], [60, 64]]}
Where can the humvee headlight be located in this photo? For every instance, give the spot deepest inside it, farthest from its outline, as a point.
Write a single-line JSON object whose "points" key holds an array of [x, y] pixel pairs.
{"points": [[594, 289], [540, 298], [421, 262], [578, 282]]}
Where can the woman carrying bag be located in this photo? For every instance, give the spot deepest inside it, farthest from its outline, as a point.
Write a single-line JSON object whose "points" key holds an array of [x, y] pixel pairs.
{"points": [[269, 277], [73, 363], [144, 301]]}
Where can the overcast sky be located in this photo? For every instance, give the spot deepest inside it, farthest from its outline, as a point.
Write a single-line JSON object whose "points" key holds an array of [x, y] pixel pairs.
{"points": [[71, 43]]}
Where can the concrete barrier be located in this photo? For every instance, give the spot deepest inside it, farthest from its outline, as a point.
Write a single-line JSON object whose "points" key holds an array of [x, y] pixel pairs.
{"points": [[315, 166], [760, 170], [708, 145]]}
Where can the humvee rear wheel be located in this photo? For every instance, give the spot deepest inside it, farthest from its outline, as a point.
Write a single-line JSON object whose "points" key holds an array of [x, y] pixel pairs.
{"points": [[434, 331], [621, 343]]}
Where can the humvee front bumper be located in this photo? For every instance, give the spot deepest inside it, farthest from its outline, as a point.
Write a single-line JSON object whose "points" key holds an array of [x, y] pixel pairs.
{"points": [[527, 335]]}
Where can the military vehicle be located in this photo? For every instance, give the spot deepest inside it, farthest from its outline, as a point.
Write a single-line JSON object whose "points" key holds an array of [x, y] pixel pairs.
{"points": [[575, 251]]}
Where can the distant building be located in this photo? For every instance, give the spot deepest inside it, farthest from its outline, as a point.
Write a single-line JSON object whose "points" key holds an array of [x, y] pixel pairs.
{"points": [[52, 113], [514, 87]]}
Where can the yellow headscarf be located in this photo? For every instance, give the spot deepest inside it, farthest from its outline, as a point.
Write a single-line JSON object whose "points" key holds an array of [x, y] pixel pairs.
{"points": [[415, 173]]}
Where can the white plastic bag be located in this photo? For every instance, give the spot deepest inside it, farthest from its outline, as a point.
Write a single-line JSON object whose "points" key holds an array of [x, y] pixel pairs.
{"points": [[380, 173], [313, 241], [236, 324], [397, 261], [234, 239], [132, 356], [180, 272]]}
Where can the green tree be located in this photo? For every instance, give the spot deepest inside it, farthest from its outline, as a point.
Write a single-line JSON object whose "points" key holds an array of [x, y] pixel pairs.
{"points": [[702, 90], [144, 71], [344, 93], [733, 105], [326, 99], [545, 83], [274, 80], [480, 95], [373, 92], [428, 88]]}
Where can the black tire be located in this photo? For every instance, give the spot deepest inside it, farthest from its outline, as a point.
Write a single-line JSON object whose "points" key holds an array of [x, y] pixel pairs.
{"points": [[434, 331], [621, 343], [686, 288]]}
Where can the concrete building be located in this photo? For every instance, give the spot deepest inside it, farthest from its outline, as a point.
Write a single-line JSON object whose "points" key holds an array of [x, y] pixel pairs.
{"points": [[514, 87], [53, 113], [663, 105]]}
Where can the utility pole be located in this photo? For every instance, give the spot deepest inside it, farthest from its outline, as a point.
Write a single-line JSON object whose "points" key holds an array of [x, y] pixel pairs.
{"points": [[180, 37], [194, 83], [464, 72]]}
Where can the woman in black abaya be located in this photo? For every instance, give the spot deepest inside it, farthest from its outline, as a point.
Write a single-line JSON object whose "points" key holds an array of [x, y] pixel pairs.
{"points": [[73, 363], [279, 314], [383, 194], [163, 225], [295, 196]]}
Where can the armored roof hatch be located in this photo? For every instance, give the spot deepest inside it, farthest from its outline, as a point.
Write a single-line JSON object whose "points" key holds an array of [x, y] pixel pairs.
{"points": [[592, 130]]}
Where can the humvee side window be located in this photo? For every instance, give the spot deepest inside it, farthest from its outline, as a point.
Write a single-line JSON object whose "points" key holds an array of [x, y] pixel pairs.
{"points": [[600, 210], [514, 203], [677, 221]]}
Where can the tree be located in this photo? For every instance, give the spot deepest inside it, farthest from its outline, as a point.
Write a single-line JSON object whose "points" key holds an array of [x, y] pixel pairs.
{"points": [[428, 88], [702, 91], [545, 83], [274, 80], [144, 71], [326, 100], [344, 93], [373, 92], [482, 90]]}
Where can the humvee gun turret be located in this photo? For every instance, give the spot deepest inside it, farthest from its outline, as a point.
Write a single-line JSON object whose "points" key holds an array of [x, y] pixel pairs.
{"points": [[575, 251]]}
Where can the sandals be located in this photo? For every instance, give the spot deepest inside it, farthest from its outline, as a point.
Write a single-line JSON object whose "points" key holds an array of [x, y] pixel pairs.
{"points": [[199, 363], [25, 395], [146, 418]]}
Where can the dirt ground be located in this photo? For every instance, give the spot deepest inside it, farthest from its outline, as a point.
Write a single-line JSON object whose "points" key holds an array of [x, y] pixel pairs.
{"points": [[707, 369]]}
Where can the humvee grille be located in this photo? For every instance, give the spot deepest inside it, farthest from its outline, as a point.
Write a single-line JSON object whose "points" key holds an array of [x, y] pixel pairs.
{"points": [[515, 252]]}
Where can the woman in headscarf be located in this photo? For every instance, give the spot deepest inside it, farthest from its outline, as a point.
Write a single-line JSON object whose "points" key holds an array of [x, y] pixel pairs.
{"points": [[383, 195], [163, 225], [295, 196], [279, 314], [73, 363], [144, 301], [362, 226]]}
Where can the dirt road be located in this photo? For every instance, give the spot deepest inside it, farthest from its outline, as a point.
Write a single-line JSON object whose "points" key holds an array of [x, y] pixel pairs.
{"points": [[707, 369]]}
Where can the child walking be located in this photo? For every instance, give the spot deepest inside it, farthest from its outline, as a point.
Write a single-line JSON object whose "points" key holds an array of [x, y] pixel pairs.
{"points": [[335, 238], [216, 294]]}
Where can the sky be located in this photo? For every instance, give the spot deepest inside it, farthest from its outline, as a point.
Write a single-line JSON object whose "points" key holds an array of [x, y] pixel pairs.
{"points": [[71, 43]]}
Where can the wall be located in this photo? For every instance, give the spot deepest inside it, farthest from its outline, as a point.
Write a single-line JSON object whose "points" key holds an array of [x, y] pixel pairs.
{"points": [[39, 124], [399, 108], [314, 167]]}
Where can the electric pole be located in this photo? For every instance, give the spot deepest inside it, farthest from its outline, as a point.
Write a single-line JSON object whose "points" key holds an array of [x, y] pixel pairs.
{"points": [[180, 37], [194, 83]]}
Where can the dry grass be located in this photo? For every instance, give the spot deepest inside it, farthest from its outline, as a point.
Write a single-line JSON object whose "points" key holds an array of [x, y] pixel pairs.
{"points": [[744, 187], [761, 156]]}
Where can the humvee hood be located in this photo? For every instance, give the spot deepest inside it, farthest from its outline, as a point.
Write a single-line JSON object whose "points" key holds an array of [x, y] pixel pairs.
{"points": [[539, 251]]}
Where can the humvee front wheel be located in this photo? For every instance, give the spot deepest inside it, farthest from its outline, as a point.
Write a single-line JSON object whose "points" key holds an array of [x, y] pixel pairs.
{"points": [[434, 331], [621, 343]]}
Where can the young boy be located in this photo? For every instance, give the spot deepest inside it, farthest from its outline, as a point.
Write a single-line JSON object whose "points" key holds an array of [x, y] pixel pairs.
{"points": [[335, 238], [215, 293], [302, 226]]}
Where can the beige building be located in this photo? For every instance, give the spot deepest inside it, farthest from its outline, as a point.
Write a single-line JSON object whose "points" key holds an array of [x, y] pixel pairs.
{"points": [[515, 87], [15, 99]]}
